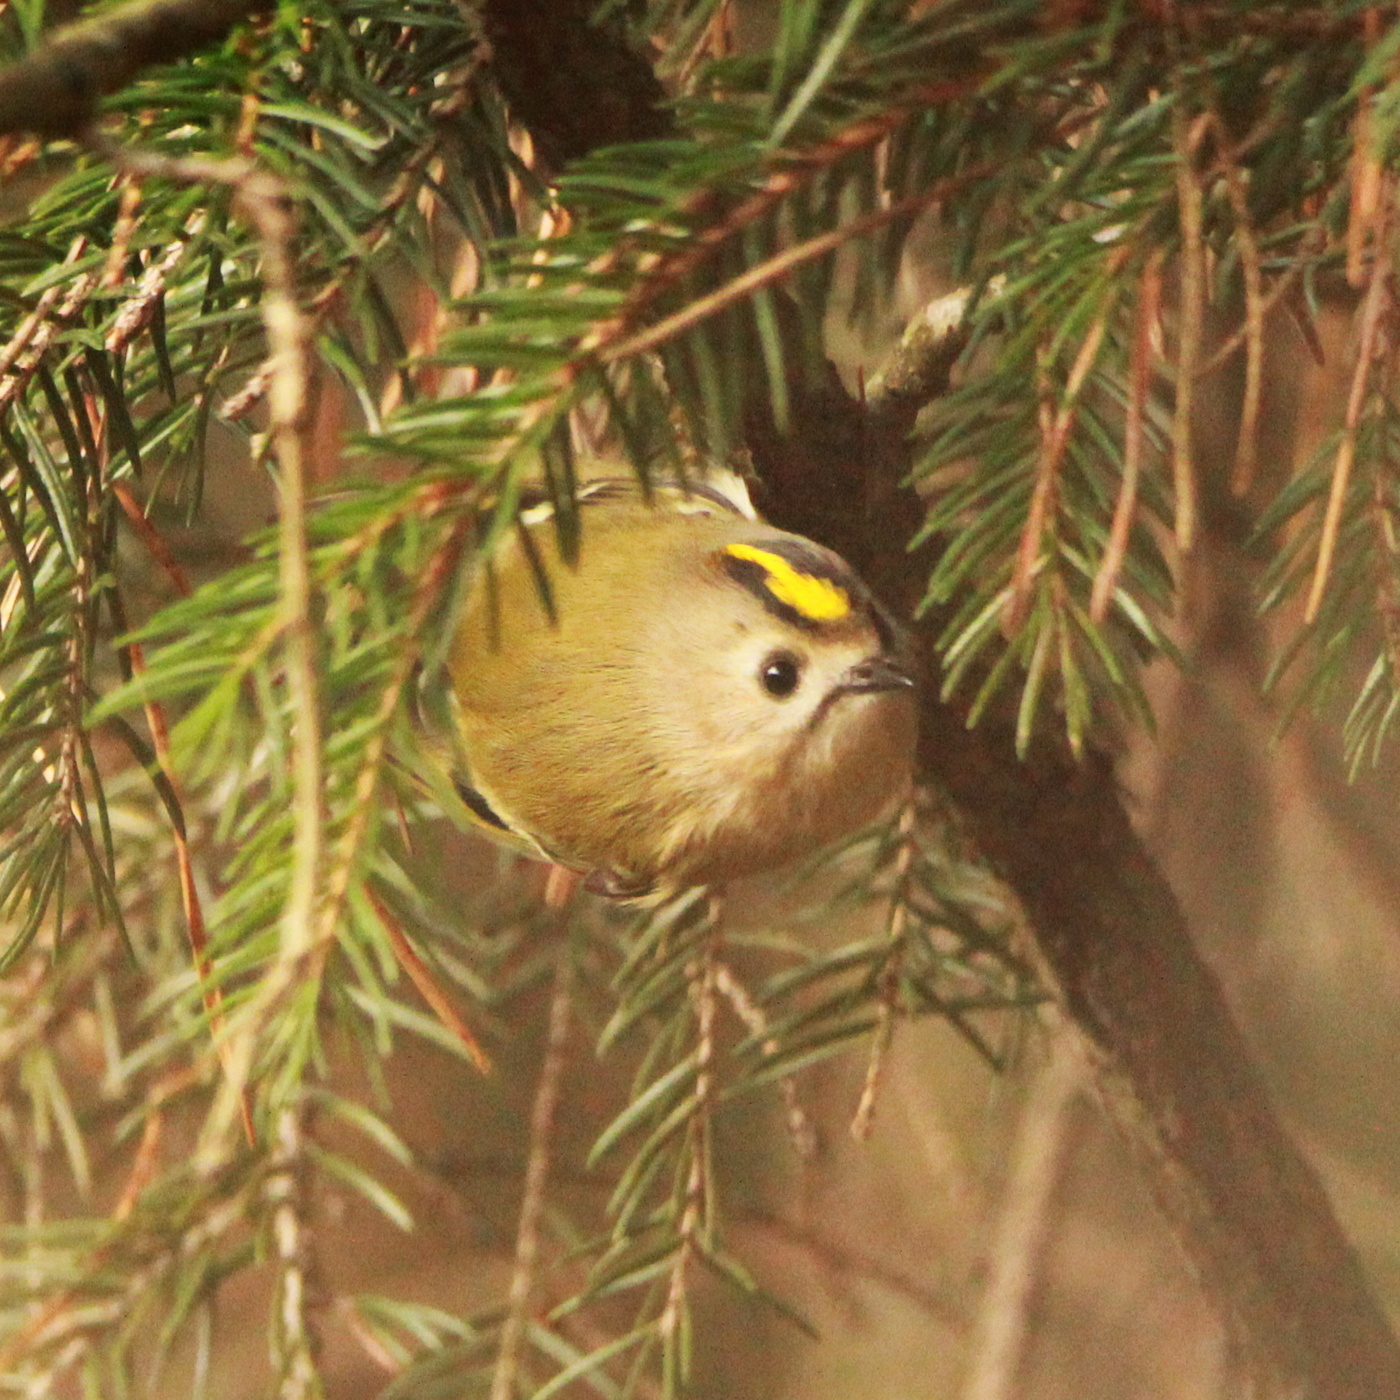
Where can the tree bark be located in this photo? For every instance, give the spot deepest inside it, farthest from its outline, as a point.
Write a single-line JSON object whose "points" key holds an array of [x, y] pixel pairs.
{"points": [[1173, 1070]]}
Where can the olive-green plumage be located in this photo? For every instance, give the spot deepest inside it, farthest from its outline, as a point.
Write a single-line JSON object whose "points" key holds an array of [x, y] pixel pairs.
{"points": [[711, 698]]}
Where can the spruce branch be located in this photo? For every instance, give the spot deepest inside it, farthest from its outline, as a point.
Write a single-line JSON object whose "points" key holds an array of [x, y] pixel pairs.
{"points": [[421, 976], [195, 927], [694, 1231], [1171, 1067], [1377, 307], [1057, 421], [287, 1192], [895, 925], [540, 1149], [743, 287], [1146, 313], [1252, 327], [1017, 1253], [1186, 138], [54, 91], [267, 205], [799, 1125]]}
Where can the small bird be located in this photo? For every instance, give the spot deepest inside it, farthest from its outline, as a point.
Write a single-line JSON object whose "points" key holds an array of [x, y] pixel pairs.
{"points": [[697, 697]]}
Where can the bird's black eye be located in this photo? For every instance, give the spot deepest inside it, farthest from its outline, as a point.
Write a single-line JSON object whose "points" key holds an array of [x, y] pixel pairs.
{"points": [[780, 674]]}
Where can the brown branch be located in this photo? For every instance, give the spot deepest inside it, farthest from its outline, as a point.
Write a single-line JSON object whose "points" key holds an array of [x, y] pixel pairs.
{"points": [[1247, 440], [1024, 1228], [1056, 427], [1185, 136], [1364, 213], [1145, 314], [154, 541], [262, 200], [422, 978], [763, 274], [54, 91], [1172, 1067], [799, 1125], [695, 1216], [895, 923], [541, 1150], [1378, 301]]}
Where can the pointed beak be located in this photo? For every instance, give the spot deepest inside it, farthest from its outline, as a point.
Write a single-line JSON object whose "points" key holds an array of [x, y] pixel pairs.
{"points": [[874, 674]]}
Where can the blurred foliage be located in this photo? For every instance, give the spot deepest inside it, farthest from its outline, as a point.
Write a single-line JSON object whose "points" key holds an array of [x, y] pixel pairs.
{"points": [[1131, 199]]}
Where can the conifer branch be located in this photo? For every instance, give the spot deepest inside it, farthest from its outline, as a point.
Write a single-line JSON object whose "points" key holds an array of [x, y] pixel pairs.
{"points": [[1146, 313], [428, 988], [1186, 136], [1023, 1230], [799, 1125], [1374, 310], [696, 1206], [54, 91], [540, 1151], [266, 204], [1171, 1067], [287, 1194], [1247, 440], [1057, 422], [895, 924]]}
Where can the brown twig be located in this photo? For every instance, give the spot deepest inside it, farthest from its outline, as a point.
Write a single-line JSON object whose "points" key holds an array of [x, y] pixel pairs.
{"points": [[151, 538], [428, 989], [1373, 310], [1185, 138], [138, 310], [144, 1166], [532, 1200], [1145, 314], [1247, 247], [607, 350], [196, 932], [114, 270], [1056, 426], [695, 1214], [799, 1125], [286, 1192], [54, 91], [1364, 214], [793, 169], [1023, 1230], [895, 924]]}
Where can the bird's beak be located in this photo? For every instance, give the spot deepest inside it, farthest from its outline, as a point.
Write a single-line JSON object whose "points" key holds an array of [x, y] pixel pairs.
{"points": [[874, 674]]}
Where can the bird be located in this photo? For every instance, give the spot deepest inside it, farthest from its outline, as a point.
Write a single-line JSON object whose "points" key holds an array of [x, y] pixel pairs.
{"points": [[692, 697]]}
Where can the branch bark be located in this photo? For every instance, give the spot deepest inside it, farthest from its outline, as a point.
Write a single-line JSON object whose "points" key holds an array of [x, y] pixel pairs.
{"points": [[1173, 1070], [54, 91]]}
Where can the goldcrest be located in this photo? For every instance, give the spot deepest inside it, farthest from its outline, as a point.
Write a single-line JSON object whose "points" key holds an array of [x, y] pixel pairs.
{"points": [[705, 697]]}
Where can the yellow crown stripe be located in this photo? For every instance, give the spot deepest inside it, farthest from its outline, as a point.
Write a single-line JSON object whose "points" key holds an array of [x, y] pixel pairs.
{"points": [[817, 599]]}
